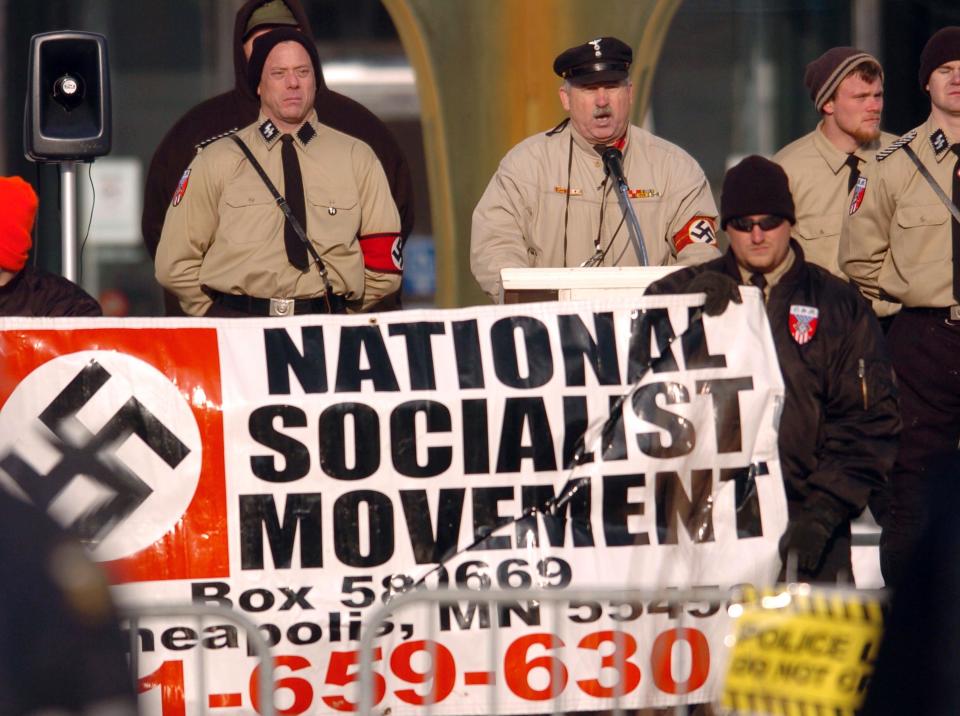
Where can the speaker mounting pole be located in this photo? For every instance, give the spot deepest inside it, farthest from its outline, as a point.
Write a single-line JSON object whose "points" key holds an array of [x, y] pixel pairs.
{"points": [[67, 117], [68, 218]]}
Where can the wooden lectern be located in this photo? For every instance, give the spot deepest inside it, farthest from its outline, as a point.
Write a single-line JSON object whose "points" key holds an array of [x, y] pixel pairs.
{"points": [[523, 285]]}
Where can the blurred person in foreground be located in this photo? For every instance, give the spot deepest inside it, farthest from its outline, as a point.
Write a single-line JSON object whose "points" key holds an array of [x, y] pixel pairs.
{"points": [[61, 650], [918, 662], [240, 106], [24, 289], [837, 435]]}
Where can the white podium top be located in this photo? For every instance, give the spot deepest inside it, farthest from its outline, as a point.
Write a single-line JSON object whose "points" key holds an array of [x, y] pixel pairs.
{"points": [[520, 285]]}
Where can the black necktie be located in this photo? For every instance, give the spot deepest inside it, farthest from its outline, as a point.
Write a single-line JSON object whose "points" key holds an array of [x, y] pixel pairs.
{"points": [[955, 226], [293, 191], [854, 163], [760, 281]]}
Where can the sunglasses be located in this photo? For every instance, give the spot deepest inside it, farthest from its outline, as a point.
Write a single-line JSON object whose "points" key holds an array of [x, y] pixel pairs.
{"points": [[746, 224]]}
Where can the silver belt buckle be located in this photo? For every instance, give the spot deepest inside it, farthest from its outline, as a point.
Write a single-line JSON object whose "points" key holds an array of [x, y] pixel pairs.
{"points": [[281, 306], [955, 313]]}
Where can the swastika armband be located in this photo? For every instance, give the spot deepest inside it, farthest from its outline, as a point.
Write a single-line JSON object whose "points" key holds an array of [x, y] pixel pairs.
{"points": [[382, 252], [699, 230]]}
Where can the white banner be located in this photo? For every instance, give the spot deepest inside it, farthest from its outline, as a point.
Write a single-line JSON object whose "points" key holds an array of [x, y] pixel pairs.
{"points": [[303, 471]]}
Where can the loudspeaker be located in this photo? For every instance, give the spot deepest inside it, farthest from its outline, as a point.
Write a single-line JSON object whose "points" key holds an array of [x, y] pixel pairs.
{"points": [[67, 115]]}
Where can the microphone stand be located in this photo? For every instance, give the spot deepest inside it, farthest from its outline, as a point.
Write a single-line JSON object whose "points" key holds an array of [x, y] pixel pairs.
{"points": [[612, 161]]}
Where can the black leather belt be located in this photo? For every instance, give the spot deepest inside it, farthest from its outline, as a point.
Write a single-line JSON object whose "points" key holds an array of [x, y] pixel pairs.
{"points": [[278, 306], [951, 313]]}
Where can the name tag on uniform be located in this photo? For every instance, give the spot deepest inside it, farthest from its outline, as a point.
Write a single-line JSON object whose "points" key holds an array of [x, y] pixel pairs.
{"points": [[572, 192]]}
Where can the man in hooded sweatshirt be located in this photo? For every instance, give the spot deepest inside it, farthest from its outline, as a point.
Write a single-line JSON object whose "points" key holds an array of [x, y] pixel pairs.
{"points": [[240, 106]]}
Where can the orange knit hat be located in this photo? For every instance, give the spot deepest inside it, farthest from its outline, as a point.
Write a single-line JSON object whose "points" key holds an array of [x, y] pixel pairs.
{"points": [[18, 209]]}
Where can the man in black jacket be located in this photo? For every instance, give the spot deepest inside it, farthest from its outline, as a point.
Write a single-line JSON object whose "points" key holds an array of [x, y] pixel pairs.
{"points": [[839, 426], [25, 290], [240, 107]]}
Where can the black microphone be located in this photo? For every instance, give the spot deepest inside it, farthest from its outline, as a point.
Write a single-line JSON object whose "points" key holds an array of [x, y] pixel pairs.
{"points": [[613, 164]]}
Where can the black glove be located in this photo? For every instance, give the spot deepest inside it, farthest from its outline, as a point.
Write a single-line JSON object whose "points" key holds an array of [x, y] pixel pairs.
{"points": [[720, 290], [809, 532]]}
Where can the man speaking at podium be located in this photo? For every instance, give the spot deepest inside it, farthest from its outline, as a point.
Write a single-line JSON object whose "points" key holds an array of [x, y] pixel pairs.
{"points": [[551, 202]]}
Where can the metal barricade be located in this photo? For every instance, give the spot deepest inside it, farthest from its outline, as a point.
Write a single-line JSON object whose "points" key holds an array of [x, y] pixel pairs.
{"points": [[731, 600], [556, 599], [256, 643]]}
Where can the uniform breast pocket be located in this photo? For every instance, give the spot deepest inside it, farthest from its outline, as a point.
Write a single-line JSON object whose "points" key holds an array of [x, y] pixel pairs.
{"points": [[248, 215], [333, 219], [922, 235], [820, 228]]}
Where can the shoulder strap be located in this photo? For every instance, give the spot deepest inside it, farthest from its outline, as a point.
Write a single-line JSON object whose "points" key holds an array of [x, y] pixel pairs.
{"points": [[925, 173], [897, 144], [285, 208], [210, 140]]}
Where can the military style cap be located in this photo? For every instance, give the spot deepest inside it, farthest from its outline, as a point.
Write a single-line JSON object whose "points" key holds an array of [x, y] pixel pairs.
{"points": [[271, 14], [605, 59]]}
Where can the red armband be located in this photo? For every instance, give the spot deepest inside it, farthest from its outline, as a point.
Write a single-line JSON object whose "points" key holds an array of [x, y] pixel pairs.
{"points": [[382, 252], [699, 230]]}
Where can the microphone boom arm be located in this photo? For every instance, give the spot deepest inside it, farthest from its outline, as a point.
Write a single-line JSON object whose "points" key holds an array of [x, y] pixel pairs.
{"points": [[613, 165]]}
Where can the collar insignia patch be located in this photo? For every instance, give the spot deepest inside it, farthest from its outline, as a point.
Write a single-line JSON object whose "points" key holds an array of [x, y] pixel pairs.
{"points": [[938, 140], [306, 133], [268, 130]]}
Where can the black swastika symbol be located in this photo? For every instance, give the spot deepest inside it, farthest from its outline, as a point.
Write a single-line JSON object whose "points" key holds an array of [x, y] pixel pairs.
{"points": [[397, 253], [702, 232], [83, 453]]}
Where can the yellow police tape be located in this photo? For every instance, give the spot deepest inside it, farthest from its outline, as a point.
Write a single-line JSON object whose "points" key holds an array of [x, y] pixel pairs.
{"points": [[797, 652]]}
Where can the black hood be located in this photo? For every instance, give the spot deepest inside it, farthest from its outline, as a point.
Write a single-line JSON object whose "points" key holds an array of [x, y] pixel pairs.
{"points": [[240, 62]]}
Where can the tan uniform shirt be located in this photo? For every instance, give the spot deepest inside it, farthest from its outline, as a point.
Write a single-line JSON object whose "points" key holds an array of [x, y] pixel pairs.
{"points": [[548, 206], [898, 242], [818, 182], [224, 231]]}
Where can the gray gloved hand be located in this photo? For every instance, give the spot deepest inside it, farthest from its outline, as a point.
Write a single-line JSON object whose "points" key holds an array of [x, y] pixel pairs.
{"points": [[809, 532], [720, 290]]}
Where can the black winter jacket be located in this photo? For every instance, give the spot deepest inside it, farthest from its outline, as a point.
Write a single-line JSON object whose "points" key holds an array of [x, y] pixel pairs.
{"points": [[34, 292], [840, 422]]}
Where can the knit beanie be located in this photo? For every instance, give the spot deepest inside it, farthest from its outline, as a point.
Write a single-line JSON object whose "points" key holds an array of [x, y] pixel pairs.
{"points": [[272, 13], [755, 186], [943, 47], [825, 73], [18, 209], [266, 42]]}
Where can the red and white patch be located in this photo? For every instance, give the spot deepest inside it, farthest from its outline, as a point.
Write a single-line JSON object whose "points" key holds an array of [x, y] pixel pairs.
{"points": [[699, 230], [803, 323], [859, 189], [382, 252], [181, 188]]}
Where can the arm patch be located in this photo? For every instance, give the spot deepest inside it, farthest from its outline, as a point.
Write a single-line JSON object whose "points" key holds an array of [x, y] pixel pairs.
{"points": [[699, 230], [382, 252]]}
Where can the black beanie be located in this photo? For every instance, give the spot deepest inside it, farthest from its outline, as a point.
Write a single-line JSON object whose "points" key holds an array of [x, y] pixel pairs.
{"points": [[266, 42], [943, 47], [755, 186]]}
